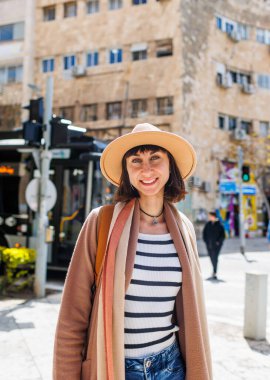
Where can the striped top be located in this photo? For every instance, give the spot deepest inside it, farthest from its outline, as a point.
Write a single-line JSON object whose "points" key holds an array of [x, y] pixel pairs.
{"points": [[150, 297]]}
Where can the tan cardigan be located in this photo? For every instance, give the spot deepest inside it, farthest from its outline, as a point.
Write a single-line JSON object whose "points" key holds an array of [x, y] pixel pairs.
{"points": [[79, 351]]}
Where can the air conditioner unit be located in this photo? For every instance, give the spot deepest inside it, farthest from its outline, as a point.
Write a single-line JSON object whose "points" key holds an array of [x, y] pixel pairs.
{"points": [[206, 186], [224, 80], [234, 35], [79, 71], [195, 181], [239, 134], [248, 88]]}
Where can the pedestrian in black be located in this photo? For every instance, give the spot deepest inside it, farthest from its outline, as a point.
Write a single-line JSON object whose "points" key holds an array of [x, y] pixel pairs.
{"points": [[213, 236]]}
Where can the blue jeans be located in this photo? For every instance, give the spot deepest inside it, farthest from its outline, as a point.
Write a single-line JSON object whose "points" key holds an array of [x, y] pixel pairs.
{"points": [[164, 365]]}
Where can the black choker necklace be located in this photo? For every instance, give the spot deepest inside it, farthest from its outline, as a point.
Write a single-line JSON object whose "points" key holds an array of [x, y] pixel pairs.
{"points": [[153, 216]]}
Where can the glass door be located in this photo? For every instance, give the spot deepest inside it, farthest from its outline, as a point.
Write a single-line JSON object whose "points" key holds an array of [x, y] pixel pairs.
{"points": [[69, 212]]}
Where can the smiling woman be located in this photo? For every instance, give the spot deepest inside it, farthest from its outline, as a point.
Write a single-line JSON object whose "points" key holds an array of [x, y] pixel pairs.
{"points": [[147, 317]]}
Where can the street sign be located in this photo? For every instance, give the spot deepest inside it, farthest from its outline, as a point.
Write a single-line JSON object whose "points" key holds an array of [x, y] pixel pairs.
{"points": [[61, 153], [31, 194]]}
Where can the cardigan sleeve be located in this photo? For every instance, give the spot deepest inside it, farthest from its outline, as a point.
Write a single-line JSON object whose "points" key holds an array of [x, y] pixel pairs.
{"points": [[75, 309], [192, 237]]}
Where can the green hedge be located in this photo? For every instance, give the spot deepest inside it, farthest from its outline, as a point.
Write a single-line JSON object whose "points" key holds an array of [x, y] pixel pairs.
{"points": [[19, 264]]}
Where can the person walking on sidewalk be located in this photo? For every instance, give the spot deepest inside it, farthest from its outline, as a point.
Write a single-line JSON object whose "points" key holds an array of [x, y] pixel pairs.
{"points": [[213, 236], [146, 318]]}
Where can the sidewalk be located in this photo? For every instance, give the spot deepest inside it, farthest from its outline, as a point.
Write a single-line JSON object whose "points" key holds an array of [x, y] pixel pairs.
{"points": [[233, 245], [27, 327]]}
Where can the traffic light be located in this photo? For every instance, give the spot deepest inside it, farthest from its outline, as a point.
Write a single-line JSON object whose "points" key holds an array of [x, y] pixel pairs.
{"points": [[36, 110], [64, 134], [33, 127], [245, 173], [59, 131]]}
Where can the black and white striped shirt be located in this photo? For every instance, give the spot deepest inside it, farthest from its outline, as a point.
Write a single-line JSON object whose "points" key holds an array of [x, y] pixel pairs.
{"points": [[150, 297]]}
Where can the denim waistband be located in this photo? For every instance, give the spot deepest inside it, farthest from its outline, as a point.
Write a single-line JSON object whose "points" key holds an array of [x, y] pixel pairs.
{"points": [[143, 362]]}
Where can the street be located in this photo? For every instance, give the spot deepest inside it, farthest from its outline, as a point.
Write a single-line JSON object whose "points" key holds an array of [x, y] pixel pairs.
{"points": [[27, 326]]}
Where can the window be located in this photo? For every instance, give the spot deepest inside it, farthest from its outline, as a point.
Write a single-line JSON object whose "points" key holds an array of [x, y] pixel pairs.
{"points": [[244, 78], [139, 2], [243, 31], [92, 6], [113, 110], [138, 107], [92, 59], [19, 74], [12, 32], [89, 112], [139, 51], [165, 105], [229, 27], [11, 74], [70, 9], [264, 128], [237, 31], [264, 81], [6, 32], [240, 78], [260, 36], [263, 36], [49, 13], [48, 65], [234, 76], [67, 112], [222, 122], [139, 55], [115, 56], [69, 62], [115, 4], [232, 123], [219, 22], [246, 126], [2, 75], [164, 48]]}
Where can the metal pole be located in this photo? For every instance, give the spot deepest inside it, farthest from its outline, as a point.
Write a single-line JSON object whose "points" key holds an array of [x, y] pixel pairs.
{"points": [[45, 159], [241, 210]]}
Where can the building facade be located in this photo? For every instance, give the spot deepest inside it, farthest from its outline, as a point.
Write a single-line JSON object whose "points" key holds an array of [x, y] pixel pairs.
{"points": [[200, 69], [16, 60]]}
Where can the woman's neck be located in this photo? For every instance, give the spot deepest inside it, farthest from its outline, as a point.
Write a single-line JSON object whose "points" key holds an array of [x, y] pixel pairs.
{"points": [[152, 215], [151, 205]]}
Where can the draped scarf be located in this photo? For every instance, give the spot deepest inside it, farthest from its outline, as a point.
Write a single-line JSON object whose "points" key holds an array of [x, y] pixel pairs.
{"points": [[115, 277]]}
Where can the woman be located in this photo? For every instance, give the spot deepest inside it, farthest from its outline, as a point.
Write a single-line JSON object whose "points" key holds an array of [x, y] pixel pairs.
{"points": [[147, 319]]}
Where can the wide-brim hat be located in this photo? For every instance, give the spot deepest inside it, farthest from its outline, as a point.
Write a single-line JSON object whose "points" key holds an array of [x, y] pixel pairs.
{"points": [[147, 134]]}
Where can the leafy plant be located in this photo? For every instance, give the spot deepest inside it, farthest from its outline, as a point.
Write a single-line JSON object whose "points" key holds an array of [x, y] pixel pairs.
{"points": [[19, 266]]}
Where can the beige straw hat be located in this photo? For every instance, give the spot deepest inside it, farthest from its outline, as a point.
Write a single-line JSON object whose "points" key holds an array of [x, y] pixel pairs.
{"points": [[147, 134]]}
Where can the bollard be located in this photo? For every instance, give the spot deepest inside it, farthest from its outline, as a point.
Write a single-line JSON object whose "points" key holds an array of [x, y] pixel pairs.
{"points": [[255, 306]]}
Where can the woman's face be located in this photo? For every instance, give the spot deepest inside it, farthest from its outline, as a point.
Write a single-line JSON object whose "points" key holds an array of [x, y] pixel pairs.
{"points": [[149, 172]]}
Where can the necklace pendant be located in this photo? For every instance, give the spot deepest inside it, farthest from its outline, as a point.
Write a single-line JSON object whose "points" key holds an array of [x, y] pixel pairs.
{"points": [[155, 221]]}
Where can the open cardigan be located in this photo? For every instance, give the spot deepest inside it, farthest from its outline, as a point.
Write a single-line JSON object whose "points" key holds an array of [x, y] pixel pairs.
{"points": [[89, 341]]}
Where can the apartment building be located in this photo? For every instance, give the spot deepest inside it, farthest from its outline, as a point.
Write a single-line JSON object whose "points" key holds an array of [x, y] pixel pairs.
{"points": [[16, 59], [114, 63], [200, 69]]}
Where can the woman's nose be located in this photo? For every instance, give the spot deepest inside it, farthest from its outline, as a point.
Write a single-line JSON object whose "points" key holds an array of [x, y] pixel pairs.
{"points": [[146, 166]]}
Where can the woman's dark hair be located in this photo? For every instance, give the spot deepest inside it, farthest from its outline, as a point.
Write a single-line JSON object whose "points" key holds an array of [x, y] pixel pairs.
{"points": [[174, 189]]}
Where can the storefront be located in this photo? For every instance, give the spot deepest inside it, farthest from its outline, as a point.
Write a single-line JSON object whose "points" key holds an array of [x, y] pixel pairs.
{"points": [[229, 201]]}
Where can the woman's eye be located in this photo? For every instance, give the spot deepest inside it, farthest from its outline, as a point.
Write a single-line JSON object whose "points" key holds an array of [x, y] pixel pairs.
{"points": [[135, 160], [156, 157]]}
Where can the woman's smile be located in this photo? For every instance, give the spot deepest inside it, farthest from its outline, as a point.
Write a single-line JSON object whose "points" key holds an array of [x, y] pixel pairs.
{"points": [[148, 182]]}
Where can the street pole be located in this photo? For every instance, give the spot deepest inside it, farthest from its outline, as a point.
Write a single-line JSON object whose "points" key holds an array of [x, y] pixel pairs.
{"points": [[45, 159], [241, 209]]}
